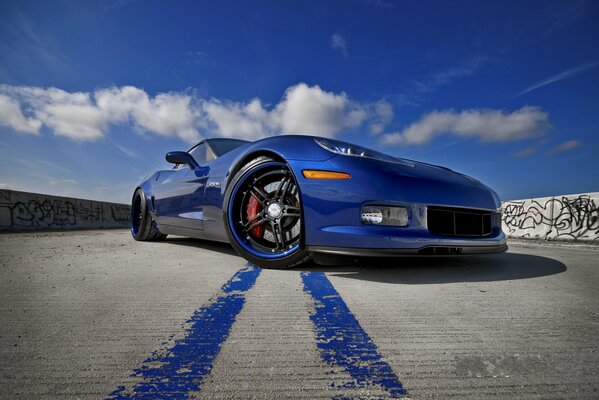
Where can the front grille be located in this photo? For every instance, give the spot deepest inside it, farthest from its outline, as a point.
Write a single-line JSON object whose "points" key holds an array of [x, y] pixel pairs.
{"points": [[459, 222]]}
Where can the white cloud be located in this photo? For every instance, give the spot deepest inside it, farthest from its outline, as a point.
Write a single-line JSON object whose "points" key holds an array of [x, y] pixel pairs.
{"points": [[561, 76], [486, 125], [243, 121], [384, 110], [73, 115], [167, 114], [11, 115], [126, 151], [119, 103], [566, 146], [465, 68], [426, 84], [312, 111], [85, 116], [63, 182], [384, 114], [525, 152], [376, 128], [200, 59], [304, 109], [338, 43]]}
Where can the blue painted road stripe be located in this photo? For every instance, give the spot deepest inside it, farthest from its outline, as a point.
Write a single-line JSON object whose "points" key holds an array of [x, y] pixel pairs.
{"points": [[174, 373], [342, 341]]}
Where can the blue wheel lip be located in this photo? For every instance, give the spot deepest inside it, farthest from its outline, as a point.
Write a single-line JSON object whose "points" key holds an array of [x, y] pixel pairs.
{"points": [[134, 231], [239, 240]]}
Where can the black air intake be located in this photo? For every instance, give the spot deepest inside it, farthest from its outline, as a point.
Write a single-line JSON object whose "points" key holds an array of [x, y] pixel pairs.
{"points": [[460, 222]]}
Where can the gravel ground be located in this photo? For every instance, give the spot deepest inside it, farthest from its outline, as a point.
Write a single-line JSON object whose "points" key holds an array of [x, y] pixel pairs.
{"points": [[81, 311]]}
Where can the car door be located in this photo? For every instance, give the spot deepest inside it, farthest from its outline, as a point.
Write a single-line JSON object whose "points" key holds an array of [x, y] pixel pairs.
{"points": [[179, 193]]}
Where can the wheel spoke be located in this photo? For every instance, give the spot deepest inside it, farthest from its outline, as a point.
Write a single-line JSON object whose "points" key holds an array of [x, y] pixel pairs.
{"points": [[288, 189], [283, 186], [274, 234], [278, 234], [254, 222], [249, 222], [281, 234], [259, 195], [291, 211]]}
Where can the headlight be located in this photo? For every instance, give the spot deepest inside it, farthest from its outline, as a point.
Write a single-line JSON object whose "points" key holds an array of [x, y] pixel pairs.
{"points": [[348, 149]]}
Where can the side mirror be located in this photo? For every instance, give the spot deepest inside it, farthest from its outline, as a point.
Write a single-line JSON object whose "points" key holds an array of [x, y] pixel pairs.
{"points": [[181, 157]]}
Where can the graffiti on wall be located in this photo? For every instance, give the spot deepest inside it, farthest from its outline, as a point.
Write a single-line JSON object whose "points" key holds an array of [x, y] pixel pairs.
{"points": [[20, 210], [5, 195], [120, 212], [46, 214], [563, 218]]}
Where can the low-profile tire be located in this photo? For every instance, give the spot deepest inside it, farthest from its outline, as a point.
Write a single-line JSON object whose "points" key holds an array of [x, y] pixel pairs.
{"points": [[143, 227], [262, 213]]}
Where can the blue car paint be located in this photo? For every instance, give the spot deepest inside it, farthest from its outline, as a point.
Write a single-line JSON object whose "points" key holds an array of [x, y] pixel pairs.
{"points": [[331, 208]]}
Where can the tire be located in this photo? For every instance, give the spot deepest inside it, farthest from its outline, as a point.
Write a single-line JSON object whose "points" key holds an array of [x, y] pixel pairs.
{"points": [[143, 227], [263, 215]]}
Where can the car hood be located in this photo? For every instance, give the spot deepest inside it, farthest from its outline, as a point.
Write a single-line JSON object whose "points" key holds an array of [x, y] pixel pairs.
{"points": [[416, 182]]}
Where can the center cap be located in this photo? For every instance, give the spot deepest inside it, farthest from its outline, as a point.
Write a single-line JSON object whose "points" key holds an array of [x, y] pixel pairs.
{"points": [[274, 210]]}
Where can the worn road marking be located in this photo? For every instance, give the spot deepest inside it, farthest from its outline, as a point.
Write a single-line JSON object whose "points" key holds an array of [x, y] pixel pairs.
{"points": [[174, 373], [342, 341]]}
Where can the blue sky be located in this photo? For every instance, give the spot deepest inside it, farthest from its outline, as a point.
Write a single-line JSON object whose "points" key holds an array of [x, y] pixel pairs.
{"points": [[93, 94]]}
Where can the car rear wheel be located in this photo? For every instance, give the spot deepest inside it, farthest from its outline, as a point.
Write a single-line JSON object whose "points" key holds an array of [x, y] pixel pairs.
{"points": [[142, 226], [263, 215]]}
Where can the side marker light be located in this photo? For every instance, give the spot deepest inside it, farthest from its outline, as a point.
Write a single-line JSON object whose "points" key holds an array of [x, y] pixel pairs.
{"points": [[317, 174]]}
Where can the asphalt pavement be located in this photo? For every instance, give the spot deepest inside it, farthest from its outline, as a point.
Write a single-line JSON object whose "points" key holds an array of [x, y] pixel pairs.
{"points": [[94, 314]]}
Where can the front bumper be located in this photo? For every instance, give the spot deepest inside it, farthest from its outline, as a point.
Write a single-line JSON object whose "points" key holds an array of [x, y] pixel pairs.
{"points": [[423, 251]]}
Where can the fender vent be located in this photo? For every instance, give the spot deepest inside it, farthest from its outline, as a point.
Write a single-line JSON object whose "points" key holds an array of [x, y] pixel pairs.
{"points": [[460, 222]]}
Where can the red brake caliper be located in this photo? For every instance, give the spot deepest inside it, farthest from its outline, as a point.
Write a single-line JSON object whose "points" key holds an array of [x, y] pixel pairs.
{"points": [[253, 209]]}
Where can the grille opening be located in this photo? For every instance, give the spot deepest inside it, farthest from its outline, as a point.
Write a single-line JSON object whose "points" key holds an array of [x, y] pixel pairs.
{"points": [[440, 251], [459, 222]]}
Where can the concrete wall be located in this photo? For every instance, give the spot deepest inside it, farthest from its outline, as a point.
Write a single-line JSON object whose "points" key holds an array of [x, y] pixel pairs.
{"points": [[567, 217], [572, 217], [31, 211]]}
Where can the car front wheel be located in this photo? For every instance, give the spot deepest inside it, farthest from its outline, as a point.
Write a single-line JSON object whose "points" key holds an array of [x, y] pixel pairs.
{"points": [[263, 215]]}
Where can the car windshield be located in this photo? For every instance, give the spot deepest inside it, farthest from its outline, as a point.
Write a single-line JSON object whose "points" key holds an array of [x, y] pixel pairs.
{"points": [[223, 146]]}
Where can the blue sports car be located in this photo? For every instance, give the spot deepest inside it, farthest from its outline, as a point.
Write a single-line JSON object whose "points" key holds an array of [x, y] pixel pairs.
{"points": [[282, 200]]}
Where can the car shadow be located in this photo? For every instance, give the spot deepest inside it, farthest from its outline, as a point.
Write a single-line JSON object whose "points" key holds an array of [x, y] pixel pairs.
{"points": [[433, 270], [202, 244], [419, 270]]}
